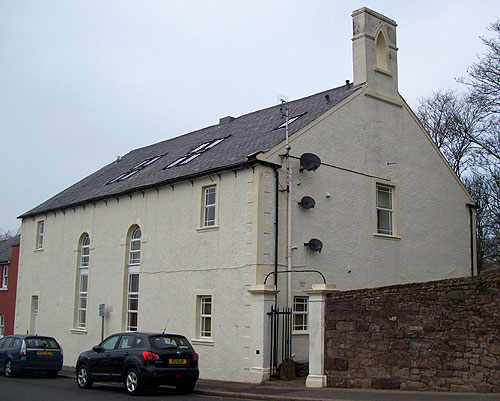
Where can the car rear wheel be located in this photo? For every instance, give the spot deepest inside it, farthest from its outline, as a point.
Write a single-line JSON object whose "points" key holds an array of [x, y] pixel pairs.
{"points": [[185, 388], [82, 378], [9, 372], [133, 382]]}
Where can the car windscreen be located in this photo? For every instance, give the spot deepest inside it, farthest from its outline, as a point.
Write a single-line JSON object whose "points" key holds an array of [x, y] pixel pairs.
{"points": [[166, 341], [4, 342], [41, 343]]}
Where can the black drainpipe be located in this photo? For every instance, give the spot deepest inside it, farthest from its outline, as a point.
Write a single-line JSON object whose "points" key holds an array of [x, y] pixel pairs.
{"points": [[471, 206], [276, 174]]}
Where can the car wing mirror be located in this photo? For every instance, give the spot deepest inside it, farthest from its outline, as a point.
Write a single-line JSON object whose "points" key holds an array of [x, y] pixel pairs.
{"points": [[97, 348]]}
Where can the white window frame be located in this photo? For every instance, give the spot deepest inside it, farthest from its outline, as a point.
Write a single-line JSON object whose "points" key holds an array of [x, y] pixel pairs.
{"points": [[5, 276], [389, 210], [134, 260], [206, 221], [135, 246], [132, 295], [2, 326], [304, 302], [35, 312], [83, 282], [40, 229], [205, 317]]}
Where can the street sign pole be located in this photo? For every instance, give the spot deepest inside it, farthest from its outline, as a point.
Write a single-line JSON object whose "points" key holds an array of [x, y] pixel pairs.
{"points": [[102, 312]]}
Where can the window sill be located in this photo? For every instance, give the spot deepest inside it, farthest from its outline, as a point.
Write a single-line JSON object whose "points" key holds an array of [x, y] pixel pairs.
{"points": [[209, 228], [202, 341], [38, 250], [300, 333], [78, 331], [385, 236], [383, 71], [4, 289]]}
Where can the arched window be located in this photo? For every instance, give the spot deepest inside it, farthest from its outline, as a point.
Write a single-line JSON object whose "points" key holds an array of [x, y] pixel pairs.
{"points": [[83, 281], [381, 51], [134, 259], [135, 246]]}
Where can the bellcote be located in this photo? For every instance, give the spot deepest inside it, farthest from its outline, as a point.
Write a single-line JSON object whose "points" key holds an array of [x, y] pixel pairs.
{"points": [[374, 51]]}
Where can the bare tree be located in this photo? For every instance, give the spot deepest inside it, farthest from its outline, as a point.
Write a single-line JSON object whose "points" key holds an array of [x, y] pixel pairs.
{"points": [[485, 192], [484, 75], [6, 234], [451, 120], [483, 82], [466, 128]]}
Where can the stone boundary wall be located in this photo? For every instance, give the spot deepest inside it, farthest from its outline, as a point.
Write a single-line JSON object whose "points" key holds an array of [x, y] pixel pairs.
{"points": [[441, 336]]}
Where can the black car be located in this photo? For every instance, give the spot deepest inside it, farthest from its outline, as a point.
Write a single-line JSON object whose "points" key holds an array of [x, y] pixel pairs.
{"points": [[24, 353], [138, 360]]}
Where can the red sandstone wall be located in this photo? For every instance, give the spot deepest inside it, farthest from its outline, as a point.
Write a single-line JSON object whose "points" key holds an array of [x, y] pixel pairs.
{"points": [[442, 335], [8, 297]]}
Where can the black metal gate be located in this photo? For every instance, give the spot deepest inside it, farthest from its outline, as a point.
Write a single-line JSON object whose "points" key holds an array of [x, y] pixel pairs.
{"points": [[281, 338]]}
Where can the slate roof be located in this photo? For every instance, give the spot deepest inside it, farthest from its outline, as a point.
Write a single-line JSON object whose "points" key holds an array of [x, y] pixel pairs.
{"points": [[5, 246], [244, 136]]}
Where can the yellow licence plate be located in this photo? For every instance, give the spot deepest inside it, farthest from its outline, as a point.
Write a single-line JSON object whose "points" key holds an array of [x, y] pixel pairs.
{"points": [[44, 353], [177, 361]]}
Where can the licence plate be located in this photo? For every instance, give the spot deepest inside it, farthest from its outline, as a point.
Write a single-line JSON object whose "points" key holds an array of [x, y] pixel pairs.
{"points": [[44, 353], [177, 361]]}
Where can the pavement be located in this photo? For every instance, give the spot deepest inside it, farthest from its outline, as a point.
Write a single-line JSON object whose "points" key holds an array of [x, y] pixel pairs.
{"points": [[296, 390]]}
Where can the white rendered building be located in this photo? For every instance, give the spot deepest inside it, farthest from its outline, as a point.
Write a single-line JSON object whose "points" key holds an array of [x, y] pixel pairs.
{"points": [[182, 234]]}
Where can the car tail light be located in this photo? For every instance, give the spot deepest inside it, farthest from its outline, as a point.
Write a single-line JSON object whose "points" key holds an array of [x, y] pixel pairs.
{"points": [[150, 356], [196, 357], [23, 349]]}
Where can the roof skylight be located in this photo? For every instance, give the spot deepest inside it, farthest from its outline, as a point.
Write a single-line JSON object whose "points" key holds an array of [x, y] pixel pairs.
{"points": [[193, 154], [146, 162], [192, 157], [213, 143], [199, 148], [175, 163], [134, 170], [290, 121]]}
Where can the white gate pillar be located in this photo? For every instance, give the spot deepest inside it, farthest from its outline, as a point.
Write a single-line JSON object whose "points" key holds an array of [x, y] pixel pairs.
{"points": [[317, 304], [263, 299]]}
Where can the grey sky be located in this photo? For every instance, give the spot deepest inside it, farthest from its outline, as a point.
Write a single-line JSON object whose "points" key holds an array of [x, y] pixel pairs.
{"points": [[85, 81]]}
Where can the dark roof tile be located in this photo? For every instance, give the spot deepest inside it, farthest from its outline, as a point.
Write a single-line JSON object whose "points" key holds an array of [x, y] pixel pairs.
{"points": [[5, 246], [246, 135]]}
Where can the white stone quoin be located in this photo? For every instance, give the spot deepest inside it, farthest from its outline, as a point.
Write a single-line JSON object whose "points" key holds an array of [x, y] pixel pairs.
{"points": [[264, 298]]}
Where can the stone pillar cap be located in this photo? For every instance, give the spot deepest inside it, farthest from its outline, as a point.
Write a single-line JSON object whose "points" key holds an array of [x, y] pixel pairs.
{"points": [[322, 289], [263, 289]]}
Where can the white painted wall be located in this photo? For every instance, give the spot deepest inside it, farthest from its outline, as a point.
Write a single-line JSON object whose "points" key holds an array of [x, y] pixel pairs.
{"points": [[432, 238], [179, 262], [432, 218], [372, 132]]}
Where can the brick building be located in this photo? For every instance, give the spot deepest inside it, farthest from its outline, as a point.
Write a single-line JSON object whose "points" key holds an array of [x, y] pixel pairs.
{"points": [[9, 258]]}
